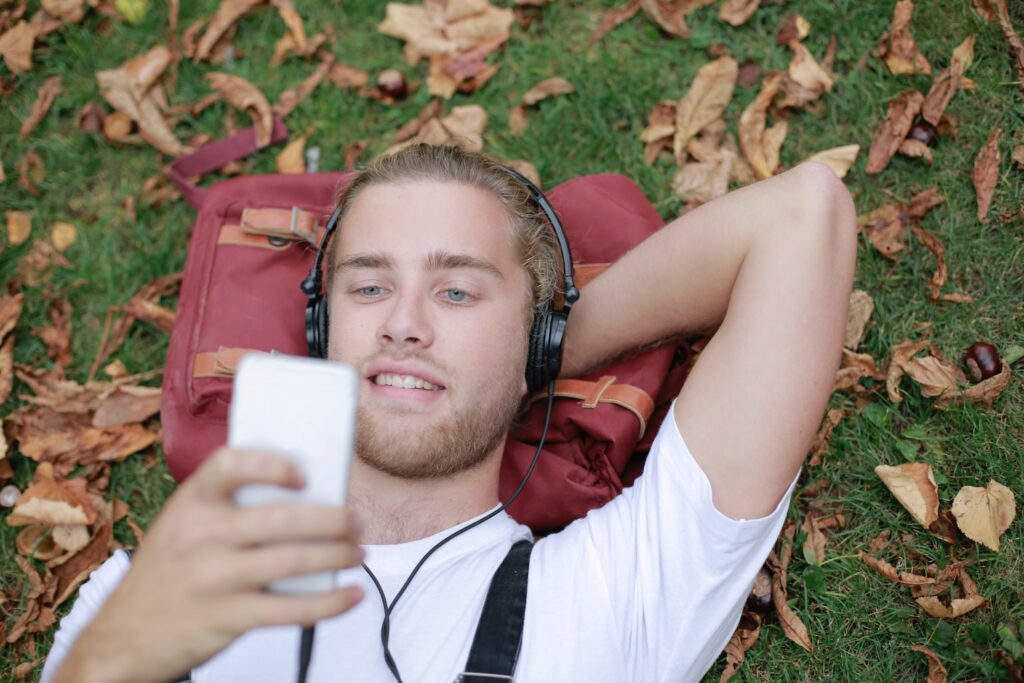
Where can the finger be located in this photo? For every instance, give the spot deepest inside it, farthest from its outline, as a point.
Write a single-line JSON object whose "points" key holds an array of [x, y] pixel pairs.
{"points": [[304, 610], [282, 522], [257, 567], [229, 468]]}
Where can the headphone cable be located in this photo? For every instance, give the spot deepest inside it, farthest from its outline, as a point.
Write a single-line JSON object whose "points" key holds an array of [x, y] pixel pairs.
{"points": [[306, 644]]}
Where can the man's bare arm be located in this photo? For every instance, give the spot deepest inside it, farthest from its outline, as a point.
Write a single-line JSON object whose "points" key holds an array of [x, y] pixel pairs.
{"points": [[769, 268]]}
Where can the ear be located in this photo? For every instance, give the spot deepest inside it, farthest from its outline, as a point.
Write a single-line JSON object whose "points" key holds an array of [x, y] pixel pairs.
{"points": [[522, 389]]}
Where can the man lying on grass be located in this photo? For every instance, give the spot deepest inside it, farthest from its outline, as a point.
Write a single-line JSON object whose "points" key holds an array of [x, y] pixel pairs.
{"points": [[647, 588]]}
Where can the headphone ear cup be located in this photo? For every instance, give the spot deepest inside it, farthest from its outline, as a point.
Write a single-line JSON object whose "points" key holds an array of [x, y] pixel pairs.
{"points": [[557, 321], [316, 327], [536, 360]]}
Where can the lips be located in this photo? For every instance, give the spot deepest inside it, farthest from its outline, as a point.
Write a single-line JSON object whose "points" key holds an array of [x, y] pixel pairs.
{"points": [[403, 376]]}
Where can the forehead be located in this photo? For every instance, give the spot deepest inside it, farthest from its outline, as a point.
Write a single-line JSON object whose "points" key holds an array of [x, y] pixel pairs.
{"points": [[411, 219]]}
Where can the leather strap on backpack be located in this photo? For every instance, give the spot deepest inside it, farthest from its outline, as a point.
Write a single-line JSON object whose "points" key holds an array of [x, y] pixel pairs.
{"points": [[212, 156], [499, 634]]}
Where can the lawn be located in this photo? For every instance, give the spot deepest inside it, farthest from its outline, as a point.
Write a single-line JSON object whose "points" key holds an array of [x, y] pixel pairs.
{"points": [[862, 626]]}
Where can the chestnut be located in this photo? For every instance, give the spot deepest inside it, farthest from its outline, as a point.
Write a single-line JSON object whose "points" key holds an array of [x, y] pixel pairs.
{"points": [[922, 131], [982, 361], [760, 598], [392, 83]]}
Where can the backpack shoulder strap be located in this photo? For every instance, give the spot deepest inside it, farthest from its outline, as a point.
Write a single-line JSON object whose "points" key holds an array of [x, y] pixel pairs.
{"points": [[499, 634]]}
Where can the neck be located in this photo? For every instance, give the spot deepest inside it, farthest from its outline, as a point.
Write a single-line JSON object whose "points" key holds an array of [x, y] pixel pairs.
{"points": [[397, 510]]}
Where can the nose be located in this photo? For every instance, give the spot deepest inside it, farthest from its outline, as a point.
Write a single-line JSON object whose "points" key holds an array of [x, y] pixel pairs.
{"points": [[407, 323]]}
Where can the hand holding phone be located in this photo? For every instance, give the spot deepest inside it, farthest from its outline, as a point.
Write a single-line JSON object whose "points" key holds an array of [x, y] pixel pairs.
{"points": [[305, 409]]}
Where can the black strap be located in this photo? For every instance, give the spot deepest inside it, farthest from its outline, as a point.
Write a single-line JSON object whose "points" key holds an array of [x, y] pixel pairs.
{"points": [[499, 634]]}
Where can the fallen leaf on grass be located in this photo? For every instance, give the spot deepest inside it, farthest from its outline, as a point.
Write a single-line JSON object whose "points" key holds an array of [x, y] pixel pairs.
{"points": [[63, 235], [736, 12], [795, 27], [998, 10], [792, 625], [526, 169], [19, 227], [860, 310], [947, 82], [546, 88], [887, 225], [45, 96], [913, 485], [934, 245], [661, 127], [57, 335], [72, 573], [127, 404], [916, 150], [345, 76], [986, 173], [804, 70], [243, 95], [983, 514], [292, 159], [854, 366], [936, 672], [814, 544], [89, 118], [957, 606], [51, 501], [704, 102], [670, 15], [897, 46], [16, 46], [131, 90], [839, 159], [892, 574], [743, 638], [899, 118], [462, 127], [227, 14], [37, 264], [612, 18], [761, 145], [31, 172], [699, 182], [291, 98], [821, 439], [353, 151]]}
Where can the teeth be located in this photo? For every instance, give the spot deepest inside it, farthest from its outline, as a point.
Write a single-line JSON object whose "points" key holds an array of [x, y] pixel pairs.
{"points": [[404, 382]]}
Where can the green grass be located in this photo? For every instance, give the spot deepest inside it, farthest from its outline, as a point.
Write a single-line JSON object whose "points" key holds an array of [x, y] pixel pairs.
{"points": [[862, 627]]}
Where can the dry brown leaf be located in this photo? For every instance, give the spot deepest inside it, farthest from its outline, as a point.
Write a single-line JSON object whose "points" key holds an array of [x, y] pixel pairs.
{"points": [[36, 541], [130, 90], [16, 46], [36, 266], [127, 404], [938, 279], [90, 118], [31, 172], [699, 182], [917, 150], [57, 335], [737, 12], [891, 573], [63, 235], [45, 96], [547, 88], [19, 227], [986, 173], [913, 485], [661, 126], [462, 127], [839, 159], [527, 169], [612, 18], [933, 376], [345, 76], [761, 145], [998, 10], [983, 393], [669, 15], [50, 501], [243, 95], [983, 514], [899, 118], [806, 72], [792, 625], [898, 47], [814, 544], [887, 225], [947, 82], [855, 366], [936, 672], [821, 439], [353, 151], [957, 607], [73, 572], [743, 638], [291, 98], [861, 308], [292, 159], [227, 14], [704, 102], [794, 28], [293, 21]]}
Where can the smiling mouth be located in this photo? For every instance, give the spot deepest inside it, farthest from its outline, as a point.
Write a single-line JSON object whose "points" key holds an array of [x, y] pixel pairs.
{"points": [[404, 382]]}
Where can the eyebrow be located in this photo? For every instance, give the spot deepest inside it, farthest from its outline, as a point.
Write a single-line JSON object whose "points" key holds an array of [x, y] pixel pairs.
{"points": [[436, 260]]}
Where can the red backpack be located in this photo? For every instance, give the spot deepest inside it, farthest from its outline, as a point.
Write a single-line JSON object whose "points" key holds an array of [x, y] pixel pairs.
{"points": [[253, 243]]}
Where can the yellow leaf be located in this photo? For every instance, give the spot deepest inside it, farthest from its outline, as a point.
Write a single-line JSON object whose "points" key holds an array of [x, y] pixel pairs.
{"points": [[983, 514], [913, 485], [63, 235], [19, 227]]}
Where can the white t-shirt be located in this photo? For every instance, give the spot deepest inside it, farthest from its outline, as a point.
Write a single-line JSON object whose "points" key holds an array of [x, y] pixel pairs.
{"points": [[647, 588]]}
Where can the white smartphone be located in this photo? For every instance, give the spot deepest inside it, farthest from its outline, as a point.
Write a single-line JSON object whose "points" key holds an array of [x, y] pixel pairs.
{"points": [[304, 408]]}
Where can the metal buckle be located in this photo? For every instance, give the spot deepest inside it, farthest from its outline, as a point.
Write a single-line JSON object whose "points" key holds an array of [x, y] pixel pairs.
{"points": [[493, 677], [310, 237]]}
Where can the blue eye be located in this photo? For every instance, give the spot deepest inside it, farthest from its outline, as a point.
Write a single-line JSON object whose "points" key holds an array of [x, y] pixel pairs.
{"points": [[456, 295], [370, 290]]}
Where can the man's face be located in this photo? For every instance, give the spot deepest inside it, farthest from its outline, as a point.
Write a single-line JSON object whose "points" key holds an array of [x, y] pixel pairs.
{"points": [[428, 304]]}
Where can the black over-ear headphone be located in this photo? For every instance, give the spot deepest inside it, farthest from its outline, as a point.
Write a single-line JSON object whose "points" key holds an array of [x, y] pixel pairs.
{"points": [[547, 333]]}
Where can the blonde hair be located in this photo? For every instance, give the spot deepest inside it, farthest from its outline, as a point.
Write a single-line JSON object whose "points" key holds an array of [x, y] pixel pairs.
{"points": [[531, 232]]}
